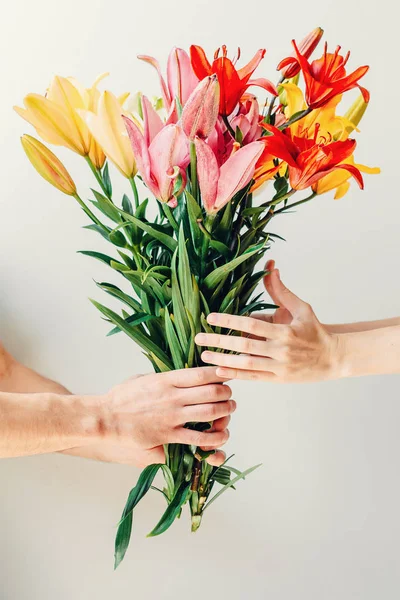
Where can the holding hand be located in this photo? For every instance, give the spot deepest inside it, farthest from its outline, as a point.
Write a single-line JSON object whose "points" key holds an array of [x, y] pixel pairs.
{"points": [[148, 411], [289, 346]]}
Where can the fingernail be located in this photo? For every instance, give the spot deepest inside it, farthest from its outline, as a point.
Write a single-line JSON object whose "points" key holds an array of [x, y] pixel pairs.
{"points": [[212, 318], [200, 338], [206, 355]]}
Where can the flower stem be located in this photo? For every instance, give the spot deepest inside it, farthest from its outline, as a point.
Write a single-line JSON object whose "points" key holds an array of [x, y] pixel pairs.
{"points": [[296, 117], [228, 126], [193, 169], [168, 213], [289, 206], [89, 213], [272, 104], [97, 175], [135, 191]]}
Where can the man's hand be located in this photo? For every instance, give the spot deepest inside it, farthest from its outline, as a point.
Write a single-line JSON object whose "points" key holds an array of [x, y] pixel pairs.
{"points": [[31, 401], [149, 410]]}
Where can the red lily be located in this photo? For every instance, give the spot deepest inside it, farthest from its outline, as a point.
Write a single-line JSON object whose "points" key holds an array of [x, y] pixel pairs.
{"points": [[309, 161], [326, 77], [233, 82]]}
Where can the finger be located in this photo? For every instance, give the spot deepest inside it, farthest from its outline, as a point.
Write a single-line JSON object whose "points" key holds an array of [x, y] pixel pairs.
{"points": [[214, 392], [247, 375], [187, 378], [244, 345], [204, 413], [221, 424], [288, 299], [242, 361], [216, 459], [212, 439], [245, 324]]}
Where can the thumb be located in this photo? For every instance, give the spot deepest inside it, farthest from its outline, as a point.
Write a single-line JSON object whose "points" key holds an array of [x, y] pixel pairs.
{"points": [[269, 267], [287, 299]]}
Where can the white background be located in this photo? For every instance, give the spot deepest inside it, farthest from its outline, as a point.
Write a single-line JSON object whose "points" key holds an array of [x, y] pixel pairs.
{"points": [[321, 519]]}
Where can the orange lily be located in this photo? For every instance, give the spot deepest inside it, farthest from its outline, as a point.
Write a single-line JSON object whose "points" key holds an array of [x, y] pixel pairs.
{"points": [[309, 161], [233, 82], [326, 77]]}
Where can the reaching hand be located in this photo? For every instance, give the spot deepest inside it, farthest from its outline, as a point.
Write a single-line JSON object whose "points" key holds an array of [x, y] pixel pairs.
{"points": [[289, 346]]}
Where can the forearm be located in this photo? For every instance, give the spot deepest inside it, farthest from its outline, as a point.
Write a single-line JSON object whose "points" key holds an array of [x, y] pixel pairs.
{"points": [[374, 352], [46, 422], [362, 325]]}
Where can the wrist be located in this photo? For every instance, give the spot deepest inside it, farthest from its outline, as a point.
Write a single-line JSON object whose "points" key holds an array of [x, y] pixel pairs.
{"points": [[88, 413], [338, 357]]}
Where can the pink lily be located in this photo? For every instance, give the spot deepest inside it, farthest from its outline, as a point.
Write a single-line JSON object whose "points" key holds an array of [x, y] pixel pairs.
{"points": [[161, 153], [200, 112], [248, 120], [181, 79], [217, 184]]}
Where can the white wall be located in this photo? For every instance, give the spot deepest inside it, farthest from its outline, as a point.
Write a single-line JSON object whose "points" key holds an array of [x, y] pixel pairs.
{"points": [[320, 520]]}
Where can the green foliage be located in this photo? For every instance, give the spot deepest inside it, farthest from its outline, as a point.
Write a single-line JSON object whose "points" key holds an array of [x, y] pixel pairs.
{"points": [[173, 271]]}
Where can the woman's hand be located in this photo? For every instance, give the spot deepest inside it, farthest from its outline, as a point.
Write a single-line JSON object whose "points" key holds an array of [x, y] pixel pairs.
{"points": [[289, 346]]}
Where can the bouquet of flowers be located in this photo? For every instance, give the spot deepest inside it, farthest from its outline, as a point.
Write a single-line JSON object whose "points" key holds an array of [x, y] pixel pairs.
{"points": [[203, 150]]}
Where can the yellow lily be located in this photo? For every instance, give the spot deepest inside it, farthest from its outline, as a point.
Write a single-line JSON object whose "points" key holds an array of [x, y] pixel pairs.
{"points": [[56, 117], [108, 129], [331, 125], [339, 179], [48, 165]]}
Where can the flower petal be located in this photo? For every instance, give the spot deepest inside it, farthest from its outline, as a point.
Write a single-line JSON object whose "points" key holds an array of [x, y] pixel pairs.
{"points": [[199, 61], [237, 172], [207, 174]]}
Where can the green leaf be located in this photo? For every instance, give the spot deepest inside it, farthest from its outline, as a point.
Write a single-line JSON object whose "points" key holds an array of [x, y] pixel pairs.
{"points": [[163, 368], [221, 248], [184, 273], [100, 256], [221, 273], [104, 231], [135, 319], [114, 291], [164, 238], [222, 476], [230, 484], [123, 536], [169, 480], [181, 321], [172, 510], [256, 306], [134, 333], [117, 238], [107, 180], [195, 213], [127, 204], [106, 206], [173, 342]]}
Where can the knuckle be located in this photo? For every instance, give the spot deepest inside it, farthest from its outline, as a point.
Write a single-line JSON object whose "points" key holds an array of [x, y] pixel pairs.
{"points": [[253, 326], [287, 333], [214, 411], [246, 345], [249, 363], [216, 339]]}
